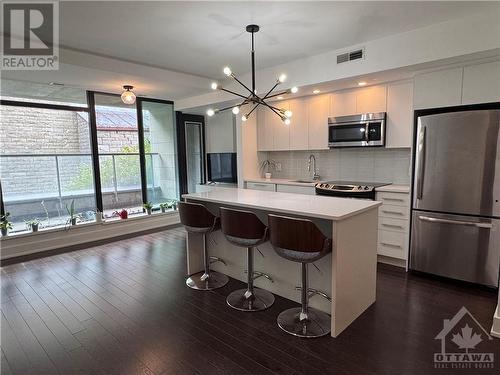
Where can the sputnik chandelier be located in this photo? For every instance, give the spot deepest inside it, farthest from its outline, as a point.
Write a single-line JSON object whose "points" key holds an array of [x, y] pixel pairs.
{"points": [[252, 97]]}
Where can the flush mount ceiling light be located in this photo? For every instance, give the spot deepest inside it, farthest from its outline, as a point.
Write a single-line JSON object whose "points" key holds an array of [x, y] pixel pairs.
{"points": [[362, 83], [128, 97], [252, 97]]}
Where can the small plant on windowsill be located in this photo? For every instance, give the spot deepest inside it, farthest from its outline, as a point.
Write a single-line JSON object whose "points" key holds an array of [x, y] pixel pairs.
{"points": [[33, 224], [266, 166], [164, 206], [71, 213], [148, 206], [173, 204], [5, 224]]}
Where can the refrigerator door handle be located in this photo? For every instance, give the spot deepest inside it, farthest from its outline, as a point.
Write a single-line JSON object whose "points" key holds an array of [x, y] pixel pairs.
{"points": [[421, 163], [456, 222]]}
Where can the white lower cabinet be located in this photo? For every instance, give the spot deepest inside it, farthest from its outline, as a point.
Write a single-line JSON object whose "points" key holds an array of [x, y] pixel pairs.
{"points": [[261, 186], [308, 190], [393, 224]]}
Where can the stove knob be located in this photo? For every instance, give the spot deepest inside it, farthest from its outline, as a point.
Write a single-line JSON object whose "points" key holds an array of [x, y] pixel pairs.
{"points": [[360, 187], [327, 186], [320, 185], [366, 188]]}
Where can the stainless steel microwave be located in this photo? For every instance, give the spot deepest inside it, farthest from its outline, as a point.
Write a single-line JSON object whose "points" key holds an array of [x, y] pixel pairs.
{"points": [[363, 130]]}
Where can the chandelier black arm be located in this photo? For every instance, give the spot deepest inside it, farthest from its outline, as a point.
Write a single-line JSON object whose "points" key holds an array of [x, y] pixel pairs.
{"points": [[253, 109], [273, 109], [261, 101], [234, 93], [242, 84], [270, 91], [277, 94]]}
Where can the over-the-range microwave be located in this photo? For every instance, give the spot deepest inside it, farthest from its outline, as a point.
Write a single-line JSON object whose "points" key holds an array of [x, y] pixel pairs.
{"points": [[363, 130]]}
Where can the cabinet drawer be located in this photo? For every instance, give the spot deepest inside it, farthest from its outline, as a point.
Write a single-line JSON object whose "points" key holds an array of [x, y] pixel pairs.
{"points": [[395, 212], [392, 244], [308, 190], [394, 225], [395, 199], [261, 186]]}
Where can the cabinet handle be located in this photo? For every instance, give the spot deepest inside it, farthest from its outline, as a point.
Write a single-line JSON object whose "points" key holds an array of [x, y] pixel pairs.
{"points": [[392, 212], [393, 226], [393, 199], [391, 245]]}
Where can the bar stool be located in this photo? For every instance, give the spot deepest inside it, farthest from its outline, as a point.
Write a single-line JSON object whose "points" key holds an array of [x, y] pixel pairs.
{"points": [[197, 219], [300, 240], [244, 229]]}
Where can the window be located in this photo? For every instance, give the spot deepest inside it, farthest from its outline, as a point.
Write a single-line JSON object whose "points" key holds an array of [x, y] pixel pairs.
{"points": [[160, 151], [118, 148], [44, 152], [50, 146]]}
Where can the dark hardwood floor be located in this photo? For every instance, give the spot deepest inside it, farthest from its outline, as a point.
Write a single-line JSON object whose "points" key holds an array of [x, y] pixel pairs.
{"points": [[123, 308]]}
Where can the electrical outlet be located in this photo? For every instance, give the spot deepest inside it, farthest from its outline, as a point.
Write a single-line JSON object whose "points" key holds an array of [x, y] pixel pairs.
{"points": [[278, 167]]}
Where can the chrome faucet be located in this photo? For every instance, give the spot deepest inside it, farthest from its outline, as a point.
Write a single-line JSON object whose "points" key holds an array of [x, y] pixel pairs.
{"points": [[312, 159]]}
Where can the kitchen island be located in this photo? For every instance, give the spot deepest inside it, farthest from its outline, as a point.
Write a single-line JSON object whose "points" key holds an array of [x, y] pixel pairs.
{"points": [[348, 274]]}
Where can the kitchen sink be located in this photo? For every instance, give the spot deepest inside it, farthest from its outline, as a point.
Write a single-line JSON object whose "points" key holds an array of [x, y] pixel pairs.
{"points": [[305, 181]]}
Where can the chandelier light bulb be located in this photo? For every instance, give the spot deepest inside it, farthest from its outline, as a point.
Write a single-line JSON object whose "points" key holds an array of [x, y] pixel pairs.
{"points": [[210, 112], [288, 113], [214, 85], [282, 78], [236, 110], [244, 118], [227, 71], [287, 121], [294, 89], [128, 97]]}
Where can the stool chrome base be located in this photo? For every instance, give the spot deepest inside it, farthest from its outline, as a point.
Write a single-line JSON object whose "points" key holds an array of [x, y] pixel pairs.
{"points": [[317, 325], [262, 299], [214, 281]]}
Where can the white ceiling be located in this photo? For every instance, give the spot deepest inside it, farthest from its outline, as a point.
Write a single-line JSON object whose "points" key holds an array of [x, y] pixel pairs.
{"points": [[201, 37]]}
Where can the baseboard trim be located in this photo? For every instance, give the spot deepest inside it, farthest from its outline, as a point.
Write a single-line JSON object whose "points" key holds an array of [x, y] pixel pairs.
{"points": [[392, 261]]}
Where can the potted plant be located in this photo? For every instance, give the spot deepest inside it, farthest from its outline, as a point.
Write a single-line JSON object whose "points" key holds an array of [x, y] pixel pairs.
{"points": [[173, 204], [164, 206], [148, 206], [33, 224], [5, 224], [71, 213], [266, 165]]}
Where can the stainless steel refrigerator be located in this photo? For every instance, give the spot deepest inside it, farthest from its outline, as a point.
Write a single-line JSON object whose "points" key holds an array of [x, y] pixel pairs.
{"points": [[455, 229]]}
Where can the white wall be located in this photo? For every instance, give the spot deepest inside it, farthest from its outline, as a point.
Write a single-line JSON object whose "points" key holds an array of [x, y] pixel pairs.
{"points": [[220, 132]]}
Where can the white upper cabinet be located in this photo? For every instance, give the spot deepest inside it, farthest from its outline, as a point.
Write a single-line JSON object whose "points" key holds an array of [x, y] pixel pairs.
{"points": [[343, 103], [264, 131], [299, 135], [220, 133], [281, 132], [371, 99], [481, 83], [442, 88], [399, 115], [317, 114]]}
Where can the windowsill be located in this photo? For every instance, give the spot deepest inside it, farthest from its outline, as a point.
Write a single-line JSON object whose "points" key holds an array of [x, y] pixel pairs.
{"points": [[61, 228]]}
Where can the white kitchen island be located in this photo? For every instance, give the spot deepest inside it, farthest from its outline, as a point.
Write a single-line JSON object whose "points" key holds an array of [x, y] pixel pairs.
{"points": [[348, 275]]}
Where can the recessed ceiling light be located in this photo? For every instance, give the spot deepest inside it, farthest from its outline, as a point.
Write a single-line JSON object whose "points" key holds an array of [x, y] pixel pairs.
{"points": [[362, 83], [56, 84], [279, 97], [316, 91]]}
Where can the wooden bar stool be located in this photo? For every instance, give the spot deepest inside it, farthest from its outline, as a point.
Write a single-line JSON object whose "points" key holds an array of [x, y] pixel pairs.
{"points": [[197, 219], [300, 240], [244, 229]]}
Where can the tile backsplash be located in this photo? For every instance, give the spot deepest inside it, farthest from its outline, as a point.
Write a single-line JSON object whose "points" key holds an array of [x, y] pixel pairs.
{"points": [[358, 164]]}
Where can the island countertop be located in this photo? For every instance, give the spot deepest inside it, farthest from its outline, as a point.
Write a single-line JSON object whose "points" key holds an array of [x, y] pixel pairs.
{"points": [[321, 207]]}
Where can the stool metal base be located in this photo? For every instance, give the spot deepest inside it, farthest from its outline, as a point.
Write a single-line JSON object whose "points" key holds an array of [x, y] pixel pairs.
{"points": [[261, 301], [317, 325], [214, 281]]}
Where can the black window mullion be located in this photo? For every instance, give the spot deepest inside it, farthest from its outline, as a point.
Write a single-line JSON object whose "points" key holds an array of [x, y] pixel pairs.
{"points": [[142, 151], [2, 206], [95, 151]]}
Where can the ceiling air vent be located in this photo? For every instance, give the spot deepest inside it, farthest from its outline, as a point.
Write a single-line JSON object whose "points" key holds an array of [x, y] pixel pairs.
{"points": [[349, 56]]}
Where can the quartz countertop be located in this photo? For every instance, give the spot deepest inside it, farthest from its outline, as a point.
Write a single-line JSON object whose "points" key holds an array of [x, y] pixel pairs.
{"points": [[394, 188], [315, 206]]}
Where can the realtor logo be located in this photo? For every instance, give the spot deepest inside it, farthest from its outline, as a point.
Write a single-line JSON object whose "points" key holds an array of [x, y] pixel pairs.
{"points": [[30, 38], [460, 343]]}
